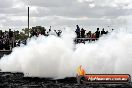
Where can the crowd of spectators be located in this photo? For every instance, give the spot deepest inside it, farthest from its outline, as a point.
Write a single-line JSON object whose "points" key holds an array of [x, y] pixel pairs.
{"points": [[9, 39], [38, 30], [83, 36], [81, 33], [6, 40]]}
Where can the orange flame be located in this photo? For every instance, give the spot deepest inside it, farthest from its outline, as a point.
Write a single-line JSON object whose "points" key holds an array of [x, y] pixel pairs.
{"points": [[81, 71]]}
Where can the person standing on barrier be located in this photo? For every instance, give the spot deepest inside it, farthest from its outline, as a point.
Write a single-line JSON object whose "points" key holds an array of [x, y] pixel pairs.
{"points": [[97, 33], [78, 31], [103, 32], [83, 33]]}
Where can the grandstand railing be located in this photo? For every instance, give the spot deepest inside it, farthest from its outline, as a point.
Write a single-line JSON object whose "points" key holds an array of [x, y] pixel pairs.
{"points": [[87, 38]]}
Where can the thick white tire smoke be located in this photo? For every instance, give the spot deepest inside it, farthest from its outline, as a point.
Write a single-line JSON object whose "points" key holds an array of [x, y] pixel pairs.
{"points": [[59, 57]]}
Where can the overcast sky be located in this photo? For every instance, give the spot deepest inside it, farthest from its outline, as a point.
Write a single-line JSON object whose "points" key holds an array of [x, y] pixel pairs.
{"points": [[66, 13]]}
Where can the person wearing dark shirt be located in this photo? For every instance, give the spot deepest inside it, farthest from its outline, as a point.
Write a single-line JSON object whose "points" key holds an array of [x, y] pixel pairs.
{"points": [[89, 34], [7, 44], [83, 33], [35, 32], [103, 32], [106, 32], [1, 34], [43, 31], [78, 31], [97, 33], [10, 33], [58, 33], [1, 45]]}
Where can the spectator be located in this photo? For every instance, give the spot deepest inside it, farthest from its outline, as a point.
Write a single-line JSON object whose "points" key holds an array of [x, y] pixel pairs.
{"points": [[83, 33], [58, 33], [97, 33], [106, 32], [10, 34], [35, 32], [43, 31], [7, 44], [89, 34], [1, 34], [93, 36], [1, 44], [103, 32], [78, 31]]}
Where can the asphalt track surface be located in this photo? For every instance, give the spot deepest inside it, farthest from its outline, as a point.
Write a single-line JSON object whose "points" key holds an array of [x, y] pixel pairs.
{"points": [[17, 80]]}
